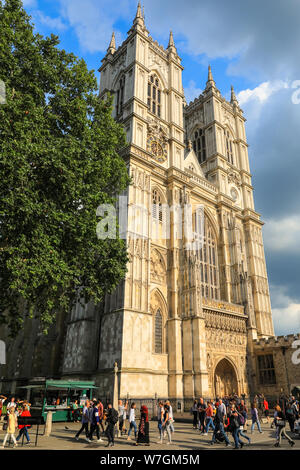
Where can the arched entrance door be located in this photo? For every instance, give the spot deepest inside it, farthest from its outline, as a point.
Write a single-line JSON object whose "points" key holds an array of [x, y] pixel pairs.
{"points": [[225, 379]]}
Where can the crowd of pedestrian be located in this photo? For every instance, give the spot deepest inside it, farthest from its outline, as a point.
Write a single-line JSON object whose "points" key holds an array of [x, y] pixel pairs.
{"points": [[230, 415], [14, 410], [109, 422], [224, 417]]}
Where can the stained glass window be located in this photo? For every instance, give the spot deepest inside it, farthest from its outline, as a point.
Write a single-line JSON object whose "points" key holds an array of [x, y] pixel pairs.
{"points": [[154, 95], [199, 145]]}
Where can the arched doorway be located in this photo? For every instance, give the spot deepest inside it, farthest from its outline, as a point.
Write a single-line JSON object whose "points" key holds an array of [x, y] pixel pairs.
{"points": [[225, 379]]}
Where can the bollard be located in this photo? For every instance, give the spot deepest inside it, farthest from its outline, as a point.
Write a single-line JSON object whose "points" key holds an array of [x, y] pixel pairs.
{"points": [[48, 427]]}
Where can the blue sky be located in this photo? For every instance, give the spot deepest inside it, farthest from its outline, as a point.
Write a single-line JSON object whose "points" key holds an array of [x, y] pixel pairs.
{"points": [[254, 45]]}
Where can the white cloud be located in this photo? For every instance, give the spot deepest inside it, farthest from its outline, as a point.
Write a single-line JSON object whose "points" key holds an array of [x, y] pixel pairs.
{"points": [[51, 23], [286, 312], [287, 320], [191, 91], [261, 37], [262, 92], [94, 21], [29, 3], [283, 235]]}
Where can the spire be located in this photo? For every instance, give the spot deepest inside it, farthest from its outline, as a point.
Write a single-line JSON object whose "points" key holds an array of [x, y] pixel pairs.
{"points": [[210, 80], [171, 46], [234, 99], [112, 46], [138, 21], [171, 40], [139, 13]]}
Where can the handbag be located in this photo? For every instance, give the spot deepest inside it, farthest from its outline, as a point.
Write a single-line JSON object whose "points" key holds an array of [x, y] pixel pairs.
{"points": [[281, 422], [5, 426]]}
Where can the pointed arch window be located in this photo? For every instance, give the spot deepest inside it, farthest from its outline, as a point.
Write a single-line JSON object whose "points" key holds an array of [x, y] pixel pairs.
{"points": [[158, 333], [228, 147], [157, 209], [154, 95], [208, 259], [120, 95], [199, 145]]}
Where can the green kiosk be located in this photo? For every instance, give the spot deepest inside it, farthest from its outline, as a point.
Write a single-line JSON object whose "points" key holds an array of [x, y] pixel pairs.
{"points": [[61, 397]]}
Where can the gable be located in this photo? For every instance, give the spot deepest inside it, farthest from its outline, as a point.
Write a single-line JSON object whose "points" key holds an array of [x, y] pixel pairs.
{"points": [[191, 163]]}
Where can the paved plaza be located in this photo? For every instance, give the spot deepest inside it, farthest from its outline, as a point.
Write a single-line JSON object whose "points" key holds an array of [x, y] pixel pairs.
{"points": [[185, 438]]}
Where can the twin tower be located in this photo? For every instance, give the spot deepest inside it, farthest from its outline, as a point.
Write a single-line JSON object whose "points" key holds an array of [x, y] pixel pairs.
{"points": [[183, 323]]}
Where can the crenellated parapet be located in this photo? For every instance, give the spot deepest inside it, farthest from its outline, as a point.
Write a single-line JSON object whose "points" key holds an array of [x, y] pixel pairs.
{"points": [[276, 341]]}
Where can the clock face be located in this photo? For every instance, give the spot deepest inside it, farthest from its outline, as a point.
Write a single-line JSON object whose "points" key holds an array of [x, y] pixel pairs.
{"points": [[158, 152]]}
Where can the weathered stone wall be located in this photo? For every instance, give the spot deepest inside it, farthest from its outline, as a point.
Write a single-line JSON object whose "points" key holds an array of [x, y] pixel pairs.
{"points": [[287, 372]]}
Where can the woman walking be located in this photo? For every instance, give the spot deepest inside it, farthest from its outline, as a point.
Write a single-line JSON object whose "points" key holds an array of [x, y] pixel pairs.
{"points": [[132, 423], [235, 427], [12, 424], [23, 429], [280, 424], [209, 413], [194, 411], [143, 435], [166, 425], [255, 419]]}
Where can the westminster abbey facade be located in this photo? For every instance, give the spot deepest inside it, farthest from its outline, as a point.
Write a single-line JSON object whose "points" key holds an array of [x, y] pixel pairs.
{"points": [[184, 323]]}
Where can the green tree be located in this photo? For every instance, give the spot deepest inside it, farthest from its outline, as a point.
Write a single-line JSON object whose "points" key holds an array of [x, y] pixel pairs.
{"points": [[59, 160]]}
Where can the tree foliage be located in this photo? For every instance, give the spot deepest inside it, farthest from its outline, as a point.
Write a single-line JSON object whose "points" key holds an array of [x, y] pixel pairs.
{"points": [[59, 161]]}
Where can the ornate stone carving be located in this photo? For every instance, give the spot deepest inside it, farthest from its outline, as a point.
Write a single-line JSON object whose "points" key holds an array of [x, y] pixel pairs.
{"points": [[157, 267], [234, 178], [224, 321], [155, 61]]}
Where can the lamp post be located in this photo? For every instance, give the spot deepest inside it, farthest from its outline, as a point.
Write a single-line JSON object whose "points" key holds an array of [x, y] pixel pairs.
{"points": [[116, 394]]}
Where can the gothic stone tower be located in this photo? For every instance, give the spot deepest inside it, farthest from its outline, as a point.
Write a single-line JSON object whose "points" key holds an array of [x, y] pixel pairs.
{"points": [[182, 324]]}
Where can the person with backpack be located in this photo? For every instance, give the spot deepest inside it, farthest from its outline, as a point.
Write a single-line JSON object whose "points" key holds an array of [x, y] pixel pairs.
{"points": [[242, 409], [234, 426], [290, 416], [280, 424], [219, 424], [111, 420], [242, 420]]}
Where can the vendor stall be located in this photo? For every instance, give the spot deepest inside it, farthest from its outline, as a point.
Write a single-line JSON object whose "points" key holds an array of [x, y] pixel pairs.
{"points": [[58, 396]]}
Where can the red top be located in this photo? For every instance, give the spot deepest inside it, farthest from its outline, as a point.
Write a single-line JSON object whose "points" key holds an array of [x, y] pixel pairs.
{"points": [[144, 410], [209, 411], [24, 414], [266, 405]]}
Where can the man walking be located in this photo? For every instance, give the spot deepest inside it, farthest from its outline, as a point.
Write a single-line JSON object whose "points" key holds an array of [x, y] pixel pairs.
{"points": [[95, 424], [84, 422], [201, 410], [219, 424], [122, 417], [112, 419]]}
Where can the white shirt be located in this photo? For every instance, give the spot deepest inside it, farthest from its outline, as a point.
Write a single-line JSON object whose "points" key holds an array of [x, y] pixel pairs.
{"points": [[171, 412], [132, 415], [11, 403]]}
